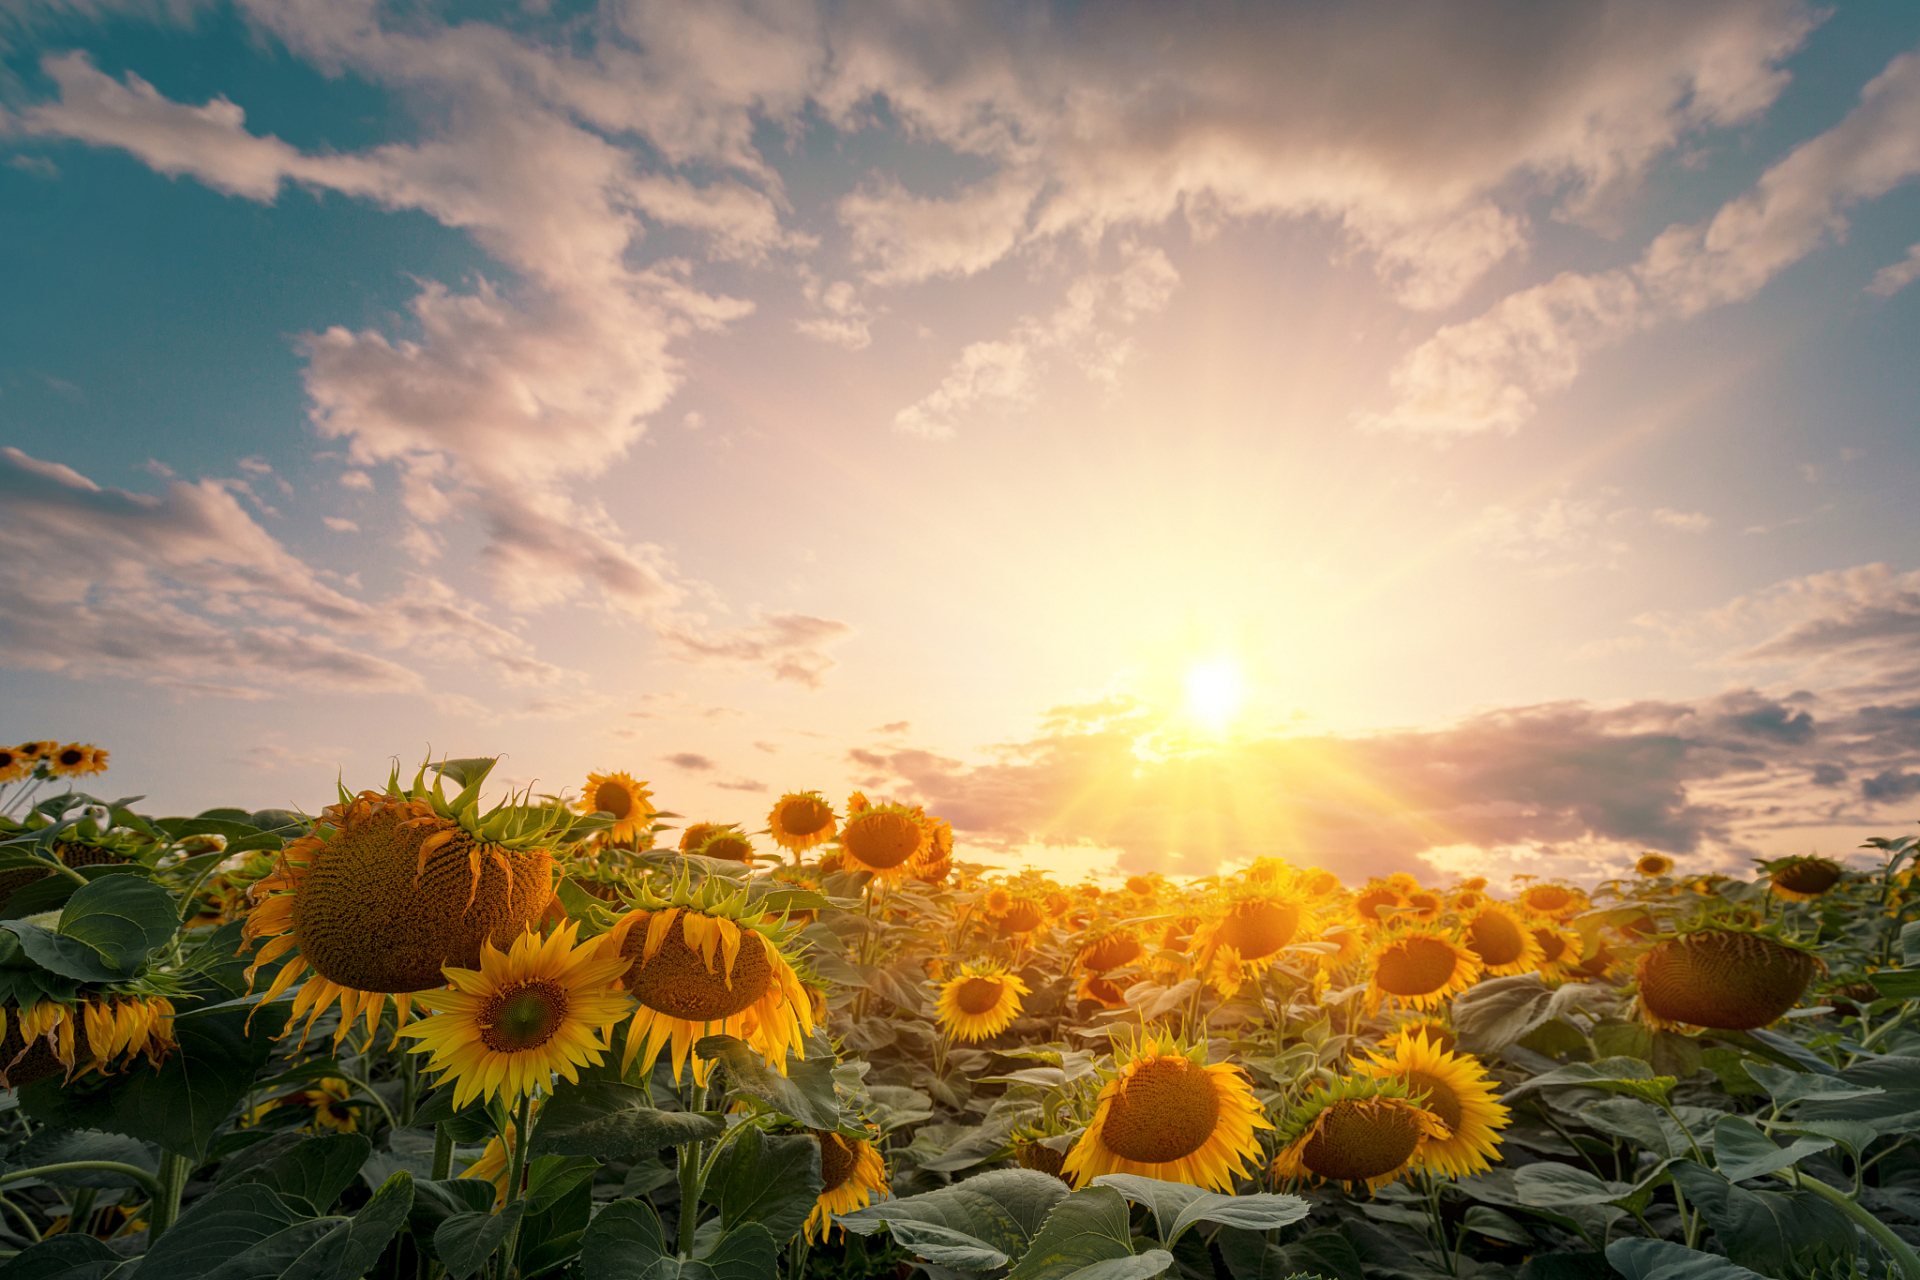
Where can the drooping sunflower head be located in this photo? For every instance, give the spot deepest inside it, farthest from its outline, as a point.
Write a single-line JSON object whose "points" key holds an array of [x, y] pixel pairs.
{"points": [[1725, 979], [1363, 1130], [728, 844], [852, 1173], [1097, 989], [1023, 915], [1168, 1114], [1424, 906], [1375, 898], [1420, 968], [1320, 885], [102, 849], [542, 1007], [704, 962], [1653, 865], [979, 1002], [1454, 1087], [799, 820], [1560, 951], [1468, 901], [1255, 922], [96, 1033], [1109, 949], [1501, 940], [389, 886], [77, 759], [884, 840], [1551, 901], [626, 800], [1434, 1030], [1802, 879]]}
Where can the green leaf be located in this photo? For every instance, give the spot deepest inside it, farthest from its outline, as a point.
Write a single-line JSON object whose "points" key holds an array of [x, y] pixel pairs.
{"points": [[466, 1240], [1896, 1109], [59, 1146], [65, 1257], [57, 953], [1088, 1226], [1896, 984], [1766, 1230], [241, 1232], [178, 1106], [805, 1092], [1786, 1086], [1638, 1259], [435, 1202], [946, 1247], [1001, 1209], [311, 1175], [1496, 1225], [893, 1106], [612, 1121], [1630, 1076], [1551, 1186], [467, 771], [1855, 1135], [352, 1247], [470, 1123], [772, 1181], [1499, 1011], [1741, 1151], [1176, 1206], [559, 1207], [624, 1243]]}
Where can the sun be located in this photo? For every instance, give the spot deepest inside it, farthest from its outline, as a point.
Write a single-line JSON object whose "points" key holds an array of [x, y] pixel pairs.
{"points": [[1215, 690]]}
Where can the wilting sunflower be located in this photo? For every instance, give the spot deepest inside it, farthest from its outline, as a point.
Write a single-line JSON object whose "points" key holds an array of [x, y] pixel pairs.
{"points": [[1502, 940], [1802, 879], [388, 887], [77, 759], [980, 1002], [1723, 979], [543, 1006], [1362, 1130], [882, 839], [852, 1172], [1420, 968], [705, 963], [1173, 1117], [800, 820], [1454, 1087], [1651, 865], [1552, 901], [629, 801], [88, 1035]]}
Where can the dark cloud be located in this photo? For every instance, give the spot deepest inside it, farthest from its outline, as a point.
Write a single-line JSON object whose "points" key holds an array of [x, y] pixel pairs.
{"points": [[1828, 775], [691, 761], [1889, 785]]}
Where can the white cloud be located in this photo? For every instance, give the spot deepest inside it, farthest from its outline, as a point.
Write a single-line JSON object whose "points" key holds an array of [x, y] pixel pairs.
{"points": [[1896, 276], [339, 525], [1684, 521]]}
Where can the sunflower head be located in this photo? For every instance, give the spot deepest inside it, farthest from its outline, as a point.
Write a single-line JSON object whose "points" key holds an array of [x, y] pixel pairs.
{"points": [[1501, 940], [1726, 979], [728, 844], [799, 820], [1374, 899], [627, 801], [1110, 949], [1802, 879], [883, 839], [980, 1001], [1551, 901], [32, 752], [1023, 915], [1653, 865], [96, 1033], [1168, 1114], [1420, 968], [76, 759], [1256, 927], [1364, 1129], [1455, 1088], [852, 1173]]}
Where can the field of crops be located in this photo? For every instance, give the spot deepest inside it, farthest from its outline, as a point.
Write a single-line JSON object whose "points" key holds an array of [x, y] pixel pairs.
{"points": [[405, 1035]]}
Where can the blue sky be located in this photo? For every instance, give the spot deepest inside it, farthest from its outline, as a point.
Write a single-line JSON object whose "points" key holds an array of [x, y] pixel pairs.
{"points": [[767, 396]]}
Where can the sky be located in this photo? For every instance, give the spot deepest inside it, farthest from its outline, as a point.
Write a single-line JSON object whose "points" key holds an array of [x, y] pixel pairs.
{"points": [[1474, 438]]}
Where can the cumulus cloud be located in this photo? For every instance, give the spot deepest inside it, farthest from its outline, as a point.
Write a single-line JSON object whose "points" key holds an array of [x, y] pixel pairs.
{"points": [[187, 590], [1896, 276], [1488, 373]]}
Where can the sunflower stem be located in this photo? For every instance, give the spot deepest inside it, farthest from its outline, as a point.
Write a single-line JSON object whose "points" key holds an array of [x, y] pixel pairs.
{"points": [[442, 1152], [689, 1195], [155, 1187], [1903, 1255], [165, 1208], [520, 1145]]}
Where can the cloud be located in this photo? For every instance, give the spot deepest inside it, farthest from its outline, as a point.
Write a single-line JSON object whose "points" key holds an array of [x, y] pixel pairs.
{"points": [[339, 524], [1684, 521], [1488, 373], [788, 646], [187, 590], [1896, 276], [690, 761]]}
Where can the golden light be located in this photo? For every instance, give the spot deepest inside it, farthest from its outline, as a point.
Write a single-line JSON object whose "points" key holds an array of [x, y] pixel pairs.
{"points": [[1215, 690]]}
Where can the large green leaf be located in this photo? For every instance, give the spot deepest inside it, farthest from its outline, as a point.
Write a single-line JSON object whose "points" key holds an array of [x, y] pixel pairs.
{"points": [[805, 1092], [466, 1240], [625, 1243], [1090, 1226], [1553, 1186], [124, 918], [1630, 1076], [1741, 1151], [352, 1247], [559, 1207], [59, 1146], [178, 1106], [57, 953], [1765, 1230], [772, 1181], [1639, 1259], [435, 1202], [65, 1257], [1000, 1211], [1786, 1086], [1499, 1011], [612, 1121], [311, 1175], [1896, 1109], [1176, 1206], [244, 1232]]}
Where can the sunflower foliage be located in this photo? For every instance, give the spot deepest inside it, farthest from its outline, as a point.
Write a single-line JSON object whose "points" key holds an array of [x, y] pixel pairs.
{"points": [[406, 1035]]}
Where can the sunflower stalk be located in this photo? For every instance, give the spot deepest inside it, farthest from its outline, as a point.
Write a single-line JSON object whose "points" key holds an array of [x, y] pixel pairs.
{"points": [[521, 1141], [165, 1208], [1903, 1255], [153, 1186]]}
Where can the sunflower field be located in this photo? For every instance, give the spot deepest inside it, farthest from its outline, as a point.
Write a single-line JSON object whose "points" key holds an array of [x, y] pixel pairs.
{"points": [[411, 1037]]}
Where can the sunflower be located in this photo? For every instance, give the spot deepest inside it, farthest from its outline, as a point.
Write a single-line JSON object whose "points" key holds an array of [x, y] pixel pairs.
{"points": [[1362, 1130], [979, 1002], [1560, 951], [724, 843], [1553, 901], [1254, 922], [1375, 898], [1420, 968], [1501, 940], [1096, 988], [799, 820], [34, 752], [627, 800], [1723, 979], [1454, 1087], [1023, 915], [1435, 1030], [703, 963], [329, 1100], [83, 1037], [1173, 1117], [1320, 884], [540, 1007], [388, 887], [1651, 865], [1424, 906], [74, 853], [935, 862], [997, 901], [75, 759], [1109, 949], [13, 765], [1351, 944], [852, 1172], [882, 839], [1802, 879]]}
